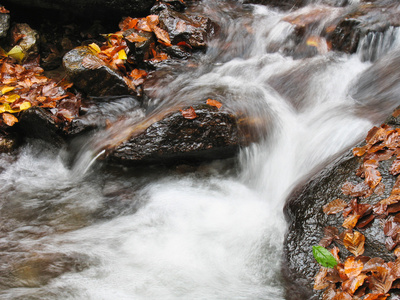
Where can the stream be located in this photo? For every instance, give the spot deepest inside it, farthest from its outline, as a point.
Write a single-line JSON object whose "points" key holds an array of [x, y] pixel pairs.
{"points": [[213, 231]]}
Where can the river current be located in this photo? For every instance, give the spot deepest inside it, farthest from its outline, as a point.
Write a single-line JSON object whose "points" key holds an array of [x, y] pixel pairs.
{"points": [[210, 232]]}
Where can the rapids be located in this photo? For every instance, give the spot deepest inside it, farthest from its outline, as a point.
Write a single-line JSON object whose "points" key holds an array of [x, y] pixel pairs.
{"points": [[209, 232]]}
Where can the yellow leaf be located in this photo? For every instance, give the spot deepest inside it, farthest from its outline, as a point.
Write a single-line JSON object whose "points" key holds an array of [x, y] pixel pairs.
{"points": [[95, 48], [122, 54], [12, 98], [17, 53], [9, 119], [2, 108], [7, 89], [25, 105]]}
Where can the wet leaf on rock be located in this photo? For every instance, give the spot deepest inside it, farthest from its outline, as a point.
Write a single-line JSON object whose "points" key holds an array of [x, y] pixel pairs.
{"points": [[324, 257], [354, 242], [9, 119], [189, 113], [214, 103]]}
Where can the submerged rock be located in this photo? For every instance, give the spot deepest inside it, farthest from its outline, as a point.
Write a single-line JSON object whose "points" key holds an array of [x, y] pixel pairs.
{"points": [[213, 134], [94, 78], [8, 142]]}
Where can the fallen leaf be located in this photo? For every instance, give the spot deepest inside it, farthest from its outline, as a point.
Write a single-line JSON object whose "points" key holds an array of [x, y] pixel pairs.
{"points": [[9, 119], [354, 242], [25, 105], [214, 103], [3, 10], [324, 257], [353, 283], [320, 281], [189, 113], [162, 35], [353, 267], [17, 53], [135, 38], [92, 62], [95, 48]]}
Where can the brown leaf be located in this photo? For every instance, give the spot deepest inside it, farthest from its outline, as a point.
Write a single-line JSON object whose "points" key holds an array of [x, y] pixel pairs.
{"points": [[354, 242], [329, 293], [372, 177], [364, 221], [360, 151], [359, 190], [152, 20], [320, 281], [9, 119], [92, 62], [135, 38], [372, 264], [353, 283], [189, 113], [143, 25], [380, 281], [180, 26], [330, 233], [162, 35]]}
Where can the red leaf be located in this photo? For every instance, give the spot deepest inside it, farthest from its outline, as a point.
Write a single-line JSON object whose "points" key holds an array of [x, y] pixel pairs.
{"points": [[189, 113]]}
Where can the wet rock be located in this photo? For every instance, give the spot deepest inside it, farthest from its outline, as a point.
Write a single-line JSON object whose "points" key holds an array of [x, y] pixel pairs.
{"points": [[8, 143], [141, 51], [87, 9], [194, 30], [37, 122], [4, 24], [26, 38], [366, 19], [96, 80], [307, 222], [213, 134]]}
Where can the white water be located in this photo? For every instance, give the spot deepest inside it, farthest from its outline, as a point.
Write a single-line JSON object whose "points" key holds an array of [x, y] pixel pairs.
{"points": [[212, 233]]}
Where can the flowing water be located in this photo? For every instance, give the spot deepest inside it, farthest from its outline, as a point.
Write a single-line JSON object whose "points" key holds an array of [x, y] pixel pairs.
{"points": [[209, 232]]}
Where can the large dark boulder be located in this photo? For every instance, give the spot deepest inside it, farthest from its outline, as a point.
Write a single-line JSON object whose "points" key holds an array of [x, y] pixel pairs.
{"points": [[98, 80], [213, 134]]}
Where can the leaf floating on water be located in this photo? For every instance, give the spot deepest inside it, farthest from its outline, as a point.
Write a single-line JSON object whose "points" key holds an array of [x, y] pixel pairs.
{"points": [[9, 119], [214, 103], [189, 113], [324, 257], [354, 242], [334, 206]]}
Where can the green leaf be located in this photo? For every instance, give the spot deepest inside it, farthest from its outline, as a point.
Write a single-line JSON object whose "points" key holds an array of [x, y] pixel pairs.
{"points": [[324, 257]]}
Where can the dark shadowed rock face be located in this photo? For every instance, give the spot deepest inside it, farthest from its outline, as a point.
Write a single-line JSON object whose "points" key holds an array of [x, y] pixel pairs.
{"points": [[89, 8], [307, 221], [96, 81], [213, 134]]}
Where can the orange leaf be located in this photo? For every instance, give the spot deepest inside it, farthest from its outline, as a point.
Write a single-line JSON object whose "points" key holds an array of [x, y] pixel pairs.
{"points": [[137, 74], [351, 221], [128, 23], [353, 283], [189, 113], [332, 207], [9, 119], [3, 10], [214, 103], [354, 242], [353, 267]]}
